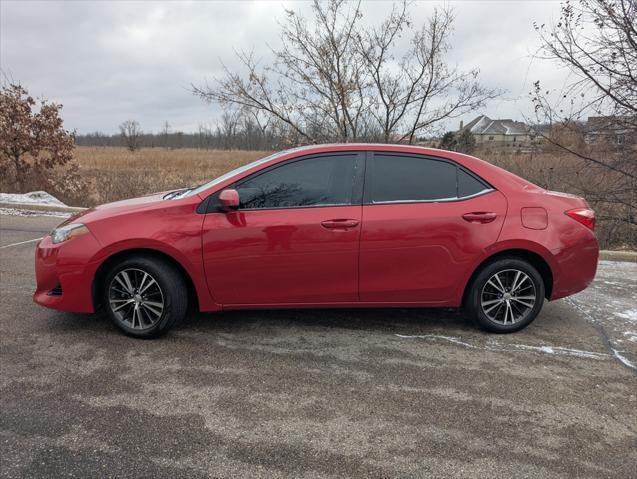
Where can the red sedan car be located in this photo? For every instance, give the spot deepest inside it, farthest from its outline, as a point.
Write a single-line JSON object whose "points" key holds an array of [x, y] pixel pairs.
{"points": [[351, 225]]}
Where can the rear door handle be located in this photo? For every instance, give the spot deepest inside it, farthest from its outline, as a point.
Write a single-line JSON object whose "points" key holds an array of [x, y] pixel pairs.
{"points": [[479, 217], [339, 224]]}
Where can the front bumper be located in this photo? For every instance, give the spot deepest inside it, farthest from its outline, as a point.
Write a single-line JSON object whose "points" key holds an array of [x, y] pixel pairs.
{"points": [[64, 273]]}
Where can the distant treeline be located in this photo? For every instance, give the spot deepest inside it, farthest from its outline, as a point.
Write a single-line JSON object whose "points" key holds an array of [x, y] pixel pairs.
{"points": [[204, 139], [234, 130], [211, 140]]}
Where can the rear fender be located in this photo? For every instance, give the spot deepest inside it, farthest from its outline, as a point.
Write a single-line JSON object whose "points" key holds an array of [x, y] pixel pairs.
{"points": [[500, 248]]}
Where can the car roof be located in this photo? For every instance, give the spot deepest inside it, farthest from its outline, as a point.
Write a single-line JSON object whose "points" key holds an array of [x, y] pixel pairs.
{"points": [[497, 177], [364, 147]]}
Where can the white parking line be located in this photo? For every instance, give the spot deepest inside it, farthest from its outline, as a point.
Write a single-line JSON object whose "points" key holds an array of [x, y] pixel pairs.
{"points": [[21, 242]]}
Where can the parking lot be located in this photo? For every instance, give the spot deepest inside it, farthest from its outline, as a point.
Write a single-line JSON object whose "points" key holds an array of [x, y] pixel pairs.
{"points": [[334, 393]]}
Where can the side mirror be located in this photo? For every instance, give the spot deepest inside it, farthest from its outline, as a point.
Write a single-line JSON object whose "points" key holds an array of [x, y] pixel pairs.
{"points": [[229, 199]]}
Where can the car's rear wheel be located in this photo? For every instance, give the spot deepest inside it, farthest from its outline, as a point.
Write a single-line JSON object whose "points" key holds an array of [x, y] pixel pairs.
{"points": [[505, 296], [145, 297]]}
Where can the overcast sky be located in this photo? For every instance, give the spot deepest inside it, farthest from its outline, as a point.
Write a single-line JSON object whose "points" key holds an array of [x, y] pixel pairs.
{"points": [[111, 61]]}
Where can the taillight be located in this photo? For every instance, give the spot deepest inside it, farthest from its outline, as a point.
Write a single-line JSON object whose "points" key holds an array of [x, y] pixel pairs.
{"points": [[586, 216]]}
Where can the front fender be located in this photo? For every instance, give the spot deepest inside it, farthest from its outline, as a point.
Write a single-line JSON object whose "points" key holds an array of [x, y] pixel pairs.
{"points": [[191, 264]]}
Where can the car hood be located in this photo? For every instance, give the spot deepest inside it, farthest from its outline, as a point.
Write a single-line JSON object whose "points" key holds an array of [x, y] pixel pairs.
{"points": [[116, 208]]}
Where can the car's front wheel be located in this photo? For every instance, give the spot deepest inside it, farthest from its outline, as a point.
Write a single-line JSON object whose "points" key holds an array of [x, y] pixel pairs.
{"points": [[144, 297], [505, 296]]}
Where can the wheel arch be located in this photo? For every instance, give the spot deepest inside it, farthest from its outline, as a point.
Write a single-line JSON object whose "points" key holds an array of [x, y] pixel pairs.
{"points": [[533, 258], [113, 259]]}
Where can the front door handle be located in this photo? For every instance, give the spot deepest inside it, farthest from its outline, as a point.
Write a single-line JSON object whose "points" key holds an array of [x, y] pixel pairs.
{"points": [[479, 217], [339, 224]]}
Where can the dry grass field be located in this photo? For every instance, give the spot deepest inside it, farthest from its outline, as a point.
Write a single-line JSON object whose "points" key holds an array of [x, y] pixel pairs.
{"points": [[110, 174], [116, 173]]}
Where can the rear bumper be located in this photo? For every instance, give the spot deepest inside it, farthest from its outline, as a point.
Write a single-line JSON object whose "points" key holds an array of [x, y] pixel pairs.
{"points": [[576, 267], [64, 274]]}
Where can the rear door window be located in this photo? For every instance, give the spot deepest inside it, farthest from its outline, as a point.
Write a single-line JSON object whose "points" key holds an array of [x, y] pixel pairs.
{"points": [[402, 178]]}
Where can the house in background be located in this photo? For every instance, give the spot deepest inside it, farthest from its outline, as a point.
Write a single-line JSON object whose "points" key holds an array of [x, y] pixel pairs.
{"points": [[613, 130], [499, 133]]}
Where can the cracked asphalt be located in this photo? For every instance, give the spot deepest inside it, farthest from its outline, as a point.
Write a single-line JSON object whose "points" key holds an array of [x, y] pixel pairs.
{"points": [[333, 393]]}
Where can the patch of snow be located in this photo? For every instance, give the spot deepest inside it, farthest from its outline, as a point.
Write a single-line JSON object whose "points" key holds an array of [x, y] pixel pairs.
{"points": [[33, 198], [609, 304], [632, 336], [451, 339], [618, 264], [624, 360], [557, 350], [496, 347], [23, 212], [630, 314]]}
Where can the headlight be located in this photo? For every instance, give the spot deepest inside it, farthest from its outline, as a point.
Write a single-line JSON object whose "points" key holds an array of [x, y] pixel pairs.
{"points": [[66, 232]]}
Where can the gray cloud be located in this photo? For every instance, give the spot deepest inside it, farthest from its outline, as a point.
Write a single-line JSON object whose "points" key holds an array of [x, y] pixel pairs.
{"points": [[111, 61]]}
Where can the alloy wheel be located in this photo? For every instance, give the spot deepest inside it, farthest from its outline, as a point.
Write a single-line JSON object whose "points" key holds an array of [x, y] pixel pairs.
{"points": [[508, 296], [136, 298]]}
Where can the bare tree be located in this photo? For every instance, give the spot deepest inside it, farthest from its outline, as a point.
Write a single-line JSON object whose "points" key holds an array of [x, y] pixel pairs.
{"points": [[334, 80], [416, 90], [593, 120], [165, 132], [131, 133], [596, 40], [227, 128]]}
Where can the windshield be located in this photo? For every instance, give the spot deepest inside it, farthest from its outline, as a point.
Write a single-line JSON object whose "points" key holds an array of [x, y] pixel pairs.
{"points": [[230, 174]]}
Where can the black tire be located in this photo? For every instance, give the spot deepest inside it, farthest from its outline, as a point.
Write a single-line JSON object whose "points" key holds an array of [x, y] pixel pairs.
{"points": [[494, 310], [137, 313]]}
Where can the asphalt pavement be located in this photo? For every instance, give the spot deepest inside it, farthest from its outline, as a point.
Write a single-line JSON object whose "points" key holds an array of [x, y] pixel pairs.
{"points": [[332, 393]]}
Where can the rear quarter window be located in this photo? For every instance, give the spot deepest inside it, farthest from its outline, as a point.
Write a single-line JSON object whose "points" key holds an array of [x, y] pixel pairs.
{"points": [[469, 185]]}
